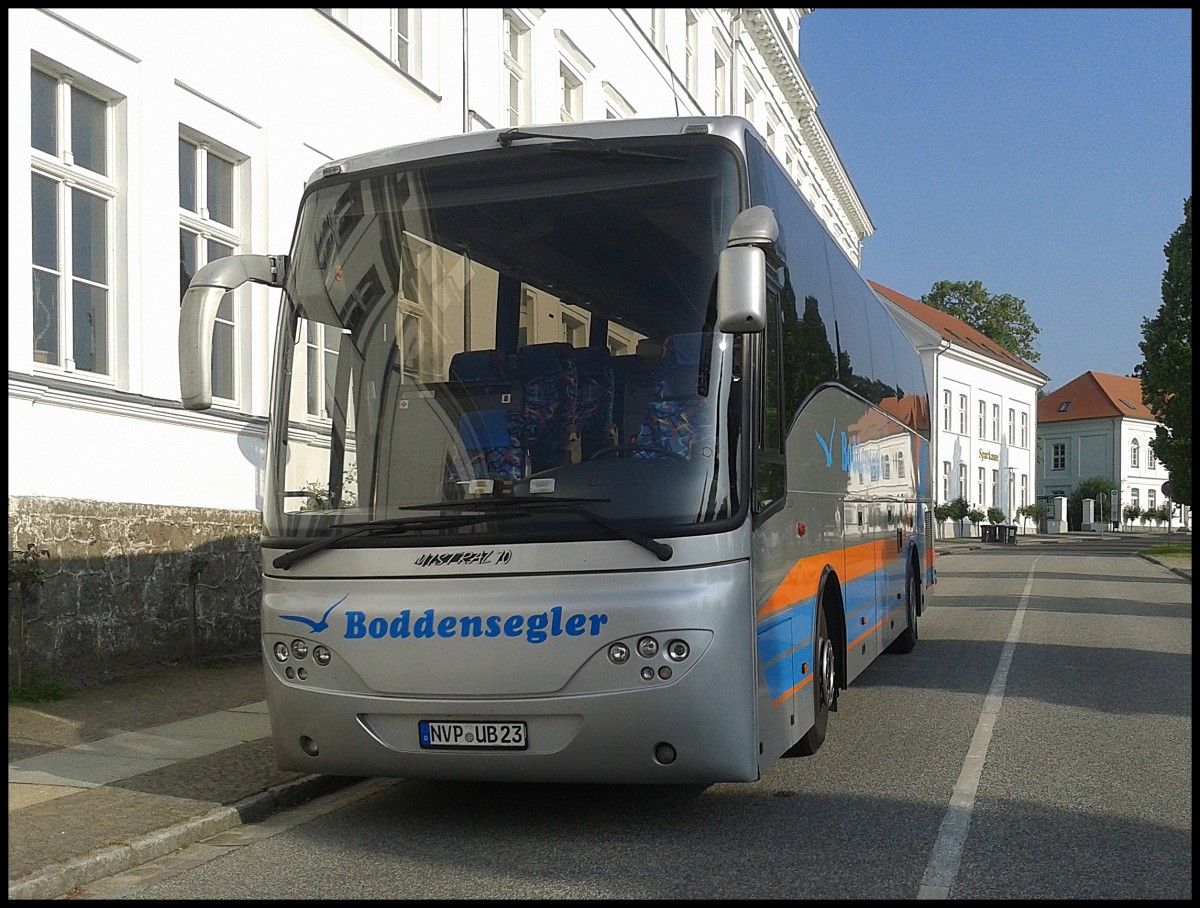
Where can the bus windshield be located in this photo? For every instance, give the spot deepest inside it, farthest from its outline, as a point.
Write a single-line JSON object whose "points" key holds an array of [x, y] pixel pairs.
{"points": [[529, 323]]}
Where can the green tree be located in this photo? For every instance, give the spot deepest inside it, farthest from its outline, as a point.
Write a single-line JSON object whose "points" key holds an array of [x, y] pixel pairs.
{"points": [[1166, 370], [1003, 317]]}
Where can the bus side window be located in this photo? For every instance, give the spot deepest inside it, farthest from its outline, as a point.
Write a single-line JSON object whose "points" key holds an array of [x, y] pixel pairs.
{"points": [[771, 474]]}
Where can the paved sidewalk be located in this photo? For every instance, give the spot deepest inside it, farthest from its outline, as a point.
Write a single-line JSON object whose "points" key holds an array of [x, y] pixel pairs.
{"points": [[126, 772], [129, 771]]}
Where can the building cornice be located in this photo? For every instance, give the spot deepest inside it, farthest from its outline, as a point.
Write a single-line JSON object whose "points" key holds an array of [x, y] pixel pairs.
{"points": [[765, 30]]}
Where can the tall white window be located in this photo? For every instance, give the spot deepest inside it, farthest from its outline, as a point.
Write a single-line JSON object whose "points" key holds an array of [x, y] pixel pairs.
{"points": [[658, 27], [1133, 497], [322, 348], [995, 499], [691, 61], [946, 410], [981, 487], [887, 466], [899, 464], [982, 419], [73, 196], [962, 414], [1151, 499], [1024, 489], [720, 85], [962, 480], [570, 94], [995, 422], [208, 230], [945, 480], [1058, 456], [404, 34], [1024, 430], [1012, 425], [516, 64], [1135, 454]]}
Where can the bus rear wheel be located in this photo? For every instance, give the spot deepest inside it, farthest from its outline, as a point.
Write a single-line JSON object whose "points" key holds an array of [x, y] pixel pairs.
{"points": [[907, 640], [824, 690]]}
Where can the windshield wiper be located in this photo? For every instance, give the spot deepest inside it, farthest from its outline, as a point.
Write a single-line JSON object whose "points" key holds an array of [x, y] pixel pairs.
{"points": [[584, 144], [661, 550], [395, 524]]}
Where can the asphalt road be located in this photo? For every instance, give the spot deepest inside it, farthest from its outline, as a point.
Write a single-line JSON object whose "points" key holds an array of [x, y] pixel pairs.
{"points": [[1036, 744]]}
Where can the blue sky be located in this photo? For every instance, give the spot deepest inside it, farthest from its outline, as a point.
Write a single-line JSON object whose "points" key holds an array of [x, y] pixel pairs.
{"points": [[1043, 152]]}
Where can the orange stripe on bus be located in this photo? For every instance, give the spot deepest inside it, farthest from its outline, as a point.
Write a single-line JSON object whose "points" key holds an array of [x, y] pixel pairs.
{"points": [[801, 581], [788, 693]]}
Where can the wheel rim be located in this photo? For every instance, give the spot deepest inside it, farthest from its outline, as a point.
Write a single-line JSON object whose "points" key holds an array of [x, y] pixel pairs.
{"points": [[826, 673]]}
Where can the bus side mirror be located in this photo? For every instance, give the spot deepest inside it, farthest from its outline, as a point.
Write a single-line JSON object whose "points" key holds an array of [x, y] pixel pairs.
{"points": [[198, 315], [742, 272]]}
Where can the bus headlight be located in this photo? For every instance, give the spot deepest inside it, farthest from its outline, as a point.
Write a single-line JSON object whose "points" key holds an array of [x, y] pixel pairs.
{"points": [[299, 649], [618, 654], [281, 652], [321, 655], [647, 647], [677, 650]]}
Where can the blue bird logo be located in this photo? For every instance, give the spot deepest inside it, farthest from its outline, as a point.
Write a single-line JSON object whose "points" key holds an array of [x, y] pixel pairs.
{"points": [[316, 626]]}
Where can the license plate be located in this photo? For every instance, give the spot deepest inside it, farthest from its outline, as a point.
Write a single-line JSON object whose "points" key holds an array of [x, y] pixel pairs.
{"points": [[472, 735]]}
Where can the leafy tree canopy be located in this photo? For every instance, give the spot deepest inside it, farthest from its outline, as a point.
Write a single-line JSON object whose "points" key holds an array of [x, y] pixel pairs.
{"points": [[1002, 317], [1166, 370]]}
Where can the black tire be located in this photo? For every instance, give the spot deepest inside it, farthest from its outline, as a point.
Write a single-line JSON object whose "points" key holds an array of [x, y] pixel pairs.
{"points": [[824, 690], [907, 641]]}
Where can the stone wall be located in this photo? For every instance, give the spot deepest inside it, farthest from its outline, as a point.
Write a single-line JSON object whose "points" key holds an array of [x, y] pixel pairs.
{"points": [[128, 587]]}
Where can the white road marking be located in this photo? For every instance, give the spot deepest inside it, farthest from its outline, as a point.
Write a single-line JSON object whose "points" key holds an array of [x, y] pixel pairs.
{"points": [[947, 850]]}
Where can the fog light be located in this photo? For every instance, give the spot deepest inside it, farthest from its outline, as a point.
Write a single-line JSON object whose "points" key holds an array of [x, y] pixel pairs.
{"points": [[281, 652], [618, 653], [647, 673], [309, 746], [321, 655], [647, 647], [664, 753], [677, 650], [299, 649]]}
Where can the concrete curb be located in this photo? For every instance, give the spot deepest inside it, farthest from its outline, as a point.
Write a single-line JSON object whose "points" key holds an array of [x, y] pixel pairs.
{"points": [[1185, 573], [60, 879]]}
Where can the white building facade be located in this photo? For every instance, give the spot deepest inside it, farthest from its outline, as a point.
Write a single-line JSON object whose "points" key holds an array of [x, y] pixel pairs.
{"points": [[1096, 425], [983, 407], [145, 143]]}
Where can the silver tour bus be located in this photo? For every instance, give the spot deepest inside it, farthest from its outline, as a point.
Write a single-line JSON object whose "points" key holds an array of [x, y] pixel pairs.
{"points": [[591, 458]]}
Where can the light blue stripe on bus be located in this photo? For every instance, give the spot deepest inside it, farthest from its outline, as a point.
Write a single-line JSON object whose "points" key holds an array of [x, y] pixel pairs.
{"points": [[784, 645]]}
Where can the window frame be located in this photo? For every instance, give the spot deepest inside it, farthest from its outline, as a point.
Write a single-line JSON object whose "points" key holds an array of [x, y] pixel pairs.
{"points": [[518, 66], [207, 230], [73, 181]]}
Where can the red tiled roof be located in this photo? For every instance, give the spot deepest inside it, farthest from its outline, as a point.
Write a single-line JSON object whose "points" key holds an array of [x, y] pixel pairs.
{"points": [[1095, 395], [955, 330]]}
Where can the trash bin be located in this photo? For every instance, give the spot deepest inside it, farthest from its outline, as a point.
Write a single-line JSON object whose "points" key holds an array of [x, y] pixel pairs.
{"points": [[1010, 534], [989, 532]]}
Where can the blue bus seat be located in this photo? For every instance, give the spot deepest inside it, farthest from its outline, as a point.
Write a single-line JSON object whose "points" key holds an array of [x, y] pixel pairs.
{"points": [[594, 400], [680, 419], [492, 440], [549, 409]]}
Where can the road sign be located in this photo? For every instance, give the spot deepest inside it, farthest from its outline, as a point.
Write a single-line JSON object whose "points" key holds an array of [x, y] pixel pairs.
{"points": [[1166, 488]]}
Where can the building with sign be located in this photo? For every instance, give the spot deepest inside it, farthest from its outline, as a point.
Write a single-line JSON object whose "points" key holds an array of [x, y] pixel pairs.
{"points": [[1097, 425], [983, 401]]}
